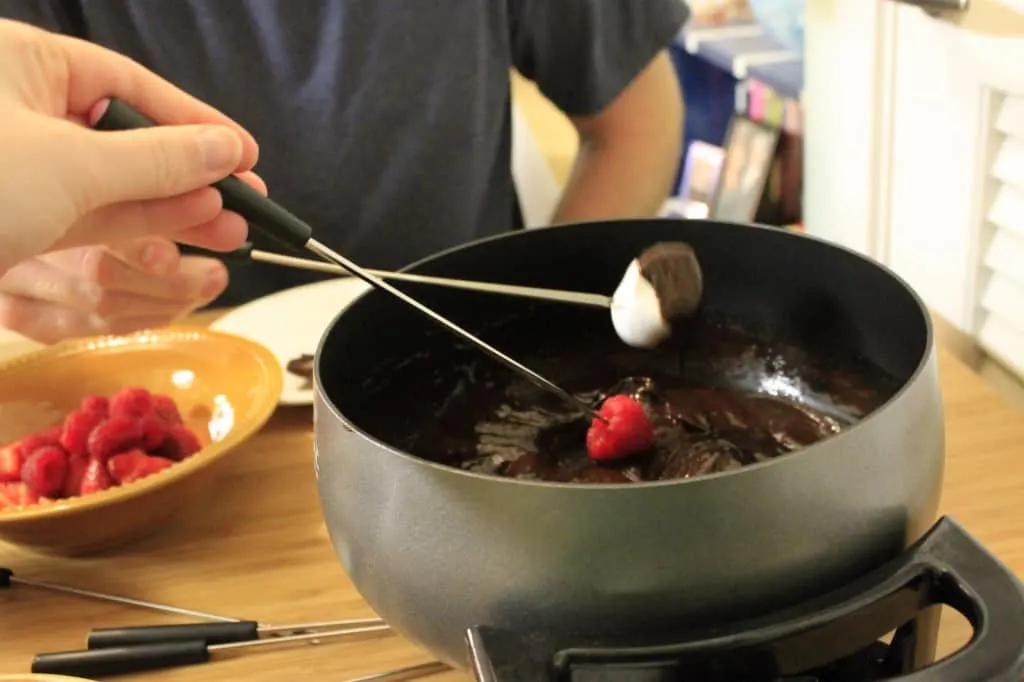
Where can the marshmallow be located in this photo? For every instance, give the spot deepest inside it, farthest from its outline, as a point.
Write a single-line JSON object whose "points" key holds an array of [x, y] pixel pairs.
{"points": [[661, 285], [636, 313]]}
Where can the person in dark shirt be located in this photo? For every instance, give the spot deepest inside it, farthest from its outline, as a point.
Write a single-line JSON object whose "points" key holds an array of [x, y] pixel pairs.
{"points": [[385, 124]]}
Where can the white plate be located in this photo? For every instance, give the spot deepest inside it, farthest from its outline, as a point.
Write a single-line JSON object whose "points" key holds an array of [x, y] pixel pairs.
{"points": [[290, 323]]}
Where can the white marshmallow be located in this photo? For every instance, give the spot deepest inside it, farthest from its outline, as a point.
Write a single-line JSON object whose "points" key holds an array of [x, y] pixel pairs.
{"points": [[636, 313]]}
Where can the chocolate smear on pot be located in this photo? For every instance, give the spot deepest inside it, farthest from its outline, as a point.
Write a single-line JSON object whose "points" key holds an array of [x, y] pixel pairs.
{"points": [[673, 271]]}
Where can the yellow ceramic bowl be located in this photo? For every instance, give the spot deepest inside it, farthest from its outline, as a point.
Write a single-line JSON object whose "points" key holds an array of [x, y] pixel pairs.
{"points": [[226, 388]]}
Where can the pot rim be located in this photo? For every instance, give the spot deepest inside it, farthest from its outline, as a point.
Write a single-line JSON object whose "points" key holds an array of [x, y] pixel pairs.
{"points": [[800, 454]]}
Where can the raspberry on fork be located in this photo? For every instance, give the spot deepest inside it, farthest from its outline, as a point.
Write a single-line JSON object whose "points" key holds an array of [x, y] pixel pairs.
{"points": [[625, 430]]}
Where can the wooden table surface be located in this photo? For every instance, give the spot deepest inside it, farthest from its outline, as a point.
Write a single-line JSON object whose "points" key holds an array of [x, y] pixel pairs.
{"points": [[256, 547]]}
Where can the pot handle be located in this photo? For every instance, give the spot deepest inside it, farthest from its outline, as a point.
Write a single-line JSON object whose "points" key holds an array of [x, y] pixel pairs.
{"points": [[946, 566]]}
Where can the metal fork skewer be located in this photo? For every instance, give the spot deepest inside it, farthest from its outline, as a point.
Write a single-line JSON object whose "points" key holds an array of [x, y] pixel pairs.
{"points": [[332, 256], [6, 575], [153, 606], [574, 297], [417, 671]]}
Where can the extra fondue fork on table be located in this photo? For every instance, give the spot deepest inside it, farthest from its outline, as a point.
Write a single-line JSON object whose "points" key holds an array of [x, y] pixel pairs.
{"points": [[135, 644], [218, 629], [281, 225]]}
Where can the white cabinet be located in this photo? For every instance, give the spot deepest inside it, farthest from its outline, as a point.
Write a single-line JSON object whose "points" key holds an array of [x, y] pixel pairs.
{"points": [[915, 138]]}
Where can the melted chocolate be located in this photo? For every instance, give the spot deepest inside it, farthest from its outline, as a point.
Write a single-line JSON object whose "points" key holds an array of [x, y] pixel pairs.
{"points": [[719, 397], [674, 273]]}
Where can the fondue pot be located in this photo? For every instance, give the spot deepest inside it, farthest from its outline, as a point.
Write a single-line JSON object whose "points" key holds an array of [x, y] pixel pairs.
{"points": [[440, 552]]}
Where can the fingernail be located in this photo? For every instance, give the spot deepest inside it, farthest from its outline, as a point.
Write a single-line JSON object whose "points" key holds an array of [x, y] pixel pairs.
{"points": [[155, 257], [221, 149], [214, 282]]}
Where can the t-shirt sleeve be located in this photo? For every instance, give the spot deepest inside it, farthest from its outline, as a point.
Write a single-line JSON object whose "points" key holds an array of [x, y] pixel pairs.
{"points": [[59, 16], [583, 53]]}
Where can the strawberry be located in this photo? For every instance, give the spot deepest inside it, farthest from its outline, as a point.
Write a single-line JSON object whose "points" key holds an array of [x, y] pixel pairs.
{"points": [[14, 495], [95, 478], [11, 460], [116, 434], [626, 429], [181, 442], [154, 432], [131, 402], [45, 470], [166, 409], [132, 466], [73, 480], [77, 427], [96, 403]]}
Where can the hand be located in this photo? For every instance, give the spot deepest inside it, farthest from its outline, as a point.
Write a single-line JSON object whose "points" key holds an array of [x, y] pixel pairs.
{"points": [[63, 184], [100, 290]]}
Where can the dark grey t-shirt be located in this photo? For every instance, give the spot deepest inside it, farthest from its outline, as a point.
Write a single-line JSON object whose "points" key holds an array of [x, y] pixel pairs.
{"points": [[383, 123]]}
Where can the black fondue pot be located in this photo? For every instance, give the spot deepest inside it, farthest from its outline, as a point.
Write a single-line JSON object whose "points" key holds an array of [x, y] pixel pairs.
{"points": [[444, 530]]}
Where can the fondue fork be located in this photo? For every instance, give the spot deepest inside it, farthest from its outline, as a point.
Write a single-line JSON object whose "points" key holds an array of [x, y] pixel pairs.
{"points": [[220, 628], [161, 655], [409, 672], [212, 633], [281, 225], [248, 253]]}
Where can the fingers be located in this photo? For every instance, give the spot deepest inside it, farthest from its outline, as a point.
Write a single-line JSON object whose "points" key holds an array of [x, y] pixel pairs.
{"points": [[195, 218], [227, 232], [51, 323], [89, 73], [95, 73], [149, 163], [145, 279], [127, 222]]}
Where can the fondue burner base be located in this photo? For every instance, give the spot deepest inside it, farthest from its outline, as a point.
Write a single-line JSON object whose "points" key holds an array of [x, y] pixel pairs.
{"points": [[836, 638]]}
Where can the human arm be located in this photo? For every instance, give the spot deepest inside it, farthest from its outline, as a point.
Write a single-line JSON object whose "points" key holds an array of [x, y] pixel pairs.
{"points": [[64, 185], [604, 63]]}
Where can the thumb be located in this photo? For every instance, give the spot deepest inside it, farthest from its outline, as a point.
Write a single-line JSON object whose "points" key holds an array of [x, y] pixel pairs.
{"points": [[158, 162]]}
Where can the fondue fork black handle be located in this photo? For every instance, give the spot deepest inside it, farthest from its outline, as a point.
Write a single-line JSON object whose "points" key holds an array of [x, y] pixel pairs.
{"points": [[211, 633], [122, 660], [281, 225]]}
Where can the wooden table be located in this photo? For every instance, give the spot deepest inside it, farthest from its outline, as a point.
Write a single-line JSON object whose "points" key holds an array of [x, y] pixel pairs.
{"points": [[257, 548]]}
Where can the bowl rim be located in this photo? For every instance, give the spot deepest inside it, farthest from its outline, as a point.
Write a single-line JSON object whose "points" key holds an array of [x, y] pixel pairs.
{"points": [[928, 362], [265, 408]]}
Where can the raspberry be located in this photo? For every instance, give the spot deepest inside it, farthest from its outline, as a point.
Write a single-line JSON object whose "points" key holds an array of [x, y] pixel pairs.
{"points": [[154, 432], [132, 466], [95, 478], [181, 442], [34, 441], [14, 495], [77, 427], [627, 430], [11, 460], [45, 470], [96, 403], [131, 402], [73, 481], [117, 434], [166, 409]]}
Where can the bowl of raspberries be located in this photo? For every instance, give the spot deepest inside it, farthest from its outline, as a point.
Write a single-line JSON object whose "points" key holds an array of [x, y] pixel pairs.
{"points": [[103, 440]]}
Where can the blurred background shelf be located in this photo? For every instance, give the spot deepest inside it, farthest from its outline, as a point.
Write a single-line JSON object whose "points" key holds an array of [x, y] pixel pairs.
{"points": [[745, 50]]}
